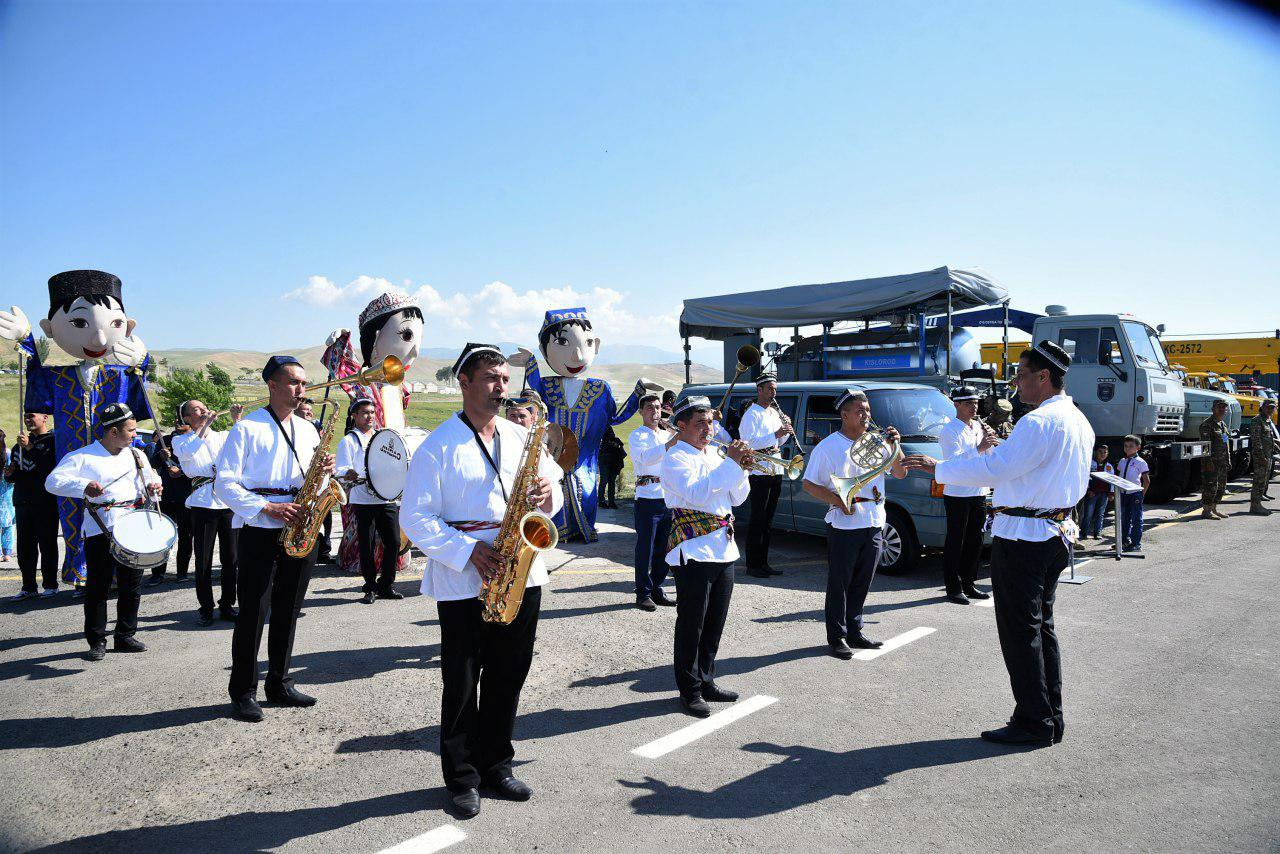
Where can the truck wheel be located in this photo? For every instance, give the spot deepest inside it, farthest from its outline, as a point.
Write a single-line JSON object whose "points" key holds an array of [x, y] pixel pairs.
{"points": [[901, 550]]}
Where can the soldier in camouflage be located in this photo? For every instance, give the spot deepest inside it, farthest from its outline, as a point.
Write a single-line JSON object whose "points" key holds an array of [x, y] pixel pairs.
{"points": [[1262, 445], [1217, 466]]}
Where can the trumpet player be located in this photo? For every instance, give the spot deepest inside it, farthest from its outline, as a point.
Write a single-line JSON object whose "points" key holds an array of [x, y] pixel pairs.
{"points": [[764, 428], [453, 506], [262, 465], [966, 505], [855, 523]]}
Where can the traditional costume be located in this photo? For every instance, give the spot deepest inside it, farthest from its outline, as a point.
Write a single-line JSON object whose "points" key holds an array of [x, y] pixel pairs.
{"points": [[373, 515]]}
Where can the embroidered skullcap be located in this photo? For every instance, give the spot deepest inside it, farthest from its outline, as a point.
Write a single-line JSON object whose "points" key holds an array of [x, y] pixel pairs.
{"points": [[848, 395], [1055, 355], [472, 350], [767, 377], [964, 392], [115, 413], [697, 401], [560, 315], [385, 304]]}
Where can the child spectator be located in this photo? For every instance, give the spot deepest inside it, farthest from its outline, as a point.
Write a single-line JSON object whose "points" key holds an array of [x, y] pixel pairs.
{"points": [[1134, 469]]}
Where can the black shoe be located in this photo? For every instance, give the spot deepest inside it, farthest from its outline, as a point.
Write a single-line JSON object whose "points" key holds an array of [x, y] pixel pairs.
{"points": [[369, 597], [181, 577], [228, 613], [129, 644], [840, 650], [758, 572], [390, 594], [155, 581], [205, 619], [771, 570], [646, 604], [958, 598], [975, 593], [247, 710], [324, 557], [511, 789], [664, 600], [97, 652], [861, 641], [696, 706], [1059, 730], [466, 804], [715, 694], [1010, 734], [291, 697]]}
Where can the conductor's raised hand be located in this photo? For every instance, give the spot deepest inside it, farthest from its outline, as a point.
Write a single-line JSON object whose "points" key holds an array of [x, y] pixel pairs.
{"points": [[486, 560], [287, 512], [919, 462], [989, 439]]}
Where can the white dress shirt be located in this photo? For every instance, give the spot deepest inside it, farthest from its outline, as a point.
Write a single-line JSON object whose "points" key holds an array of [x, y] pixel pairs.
{"points": [[759, 428], [648, 447], [830, 459], [1044, 465], [198, 458], [702, 480], [95, 463], [451, 481], [351, 457], [256, 456], [957, 439]]}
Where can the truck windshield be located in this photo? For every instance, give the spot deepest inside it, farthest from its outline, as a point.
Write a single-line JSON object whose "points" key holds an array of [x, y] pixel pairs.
{"points": [[1145, 344], [919, 414]]}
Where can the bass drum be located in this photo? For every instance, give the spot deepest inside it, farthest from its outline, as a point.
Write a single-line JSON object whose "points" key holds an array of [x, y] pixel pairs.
{"points": [[142, 539], [386, 464]]}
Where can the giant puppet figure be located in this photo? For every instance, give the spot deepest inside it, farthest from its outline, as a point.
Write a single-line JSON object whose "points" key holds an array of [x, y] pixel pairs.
{"points": [[581, 404], [390, 325], [87, 320]]}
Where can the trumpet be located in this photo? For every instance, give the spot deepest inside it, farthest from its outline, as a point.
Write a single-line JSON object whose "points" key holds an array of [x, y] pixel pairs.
{"points": [[390, 371], [763, 463]]}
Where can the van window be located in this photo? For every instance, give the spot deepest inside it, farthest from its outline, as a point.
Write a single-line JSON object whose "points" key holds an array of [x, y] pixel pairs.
{"points": [[917, 413], [821, 418]]}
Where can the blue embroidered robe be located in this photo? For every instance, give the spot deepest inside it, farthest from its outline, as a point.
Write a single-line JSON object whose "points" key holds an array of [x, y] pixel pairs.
{"points": [[76, 411], [588, 417]]}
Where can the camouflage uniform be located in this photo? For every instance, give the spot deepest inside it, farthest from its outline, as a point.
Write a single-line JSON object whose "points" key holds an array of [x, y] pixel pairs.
{"points": [[1217, 466], [1262, 445]]}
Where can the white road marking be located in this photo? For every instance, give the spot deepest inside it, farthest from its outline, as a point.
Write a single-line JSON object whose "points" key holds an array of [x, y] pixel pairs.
{"points": [[433, 840], [894, 642], [695, 731], [985, 603]]}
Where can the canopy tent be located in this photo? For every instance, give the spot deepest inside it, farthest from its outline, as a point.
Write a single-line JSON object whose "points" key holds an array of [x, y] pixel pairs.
{"points": [[989, 318], [930, 292]]}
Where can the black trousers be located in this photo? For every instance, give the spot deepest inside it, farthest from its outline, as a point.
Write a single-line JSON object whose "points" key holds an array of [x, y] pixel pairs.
{"points": [[965, 518], [653, 526], [703, 591], [37, 544], [765, 490], [100, 568], [325, 552], [483, 666], [852, 557], [385, 519], [181, 517], [206, 525], [269, 580], [1024, 582], [609, 483]]}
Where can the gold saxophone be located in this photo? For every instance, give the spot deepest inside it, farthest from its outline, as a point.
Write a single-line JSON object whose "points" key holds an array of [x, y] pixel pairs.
{"points": [[525, 531], [316, 497]]}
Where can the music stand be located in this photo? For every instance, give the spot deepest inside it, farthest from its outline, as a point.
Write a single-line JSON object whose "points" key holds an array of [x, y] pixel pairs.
{"points": [[1123, 486]]}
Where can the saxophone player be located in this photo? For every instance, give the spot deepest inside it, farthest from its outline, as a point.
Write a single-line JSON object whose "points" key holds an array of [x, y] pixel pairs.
{"points": [[459, 486], [260, 469]]}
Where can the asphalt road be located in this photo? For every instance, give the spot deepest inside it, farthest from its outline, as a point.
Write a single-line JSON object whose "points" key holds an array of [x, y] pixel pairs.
{"points": [[1172, 703]]}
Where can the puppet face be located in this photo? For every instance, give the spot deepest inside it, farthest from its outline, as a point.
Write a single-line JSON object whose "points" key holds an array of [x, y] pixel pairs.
{"points": [[400, 336], [570, 350], [88, 331]]}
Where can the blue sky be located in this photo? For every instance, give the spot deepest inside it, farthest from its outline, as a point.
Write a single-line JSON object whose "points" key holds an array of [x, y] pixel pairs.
{"points": [[221, 156]]}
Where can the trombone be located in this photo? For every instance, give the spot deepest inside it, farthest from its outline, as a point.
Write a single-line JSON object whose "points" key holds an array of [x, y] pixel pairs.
{"points": [[763, 463], [391, 372]]}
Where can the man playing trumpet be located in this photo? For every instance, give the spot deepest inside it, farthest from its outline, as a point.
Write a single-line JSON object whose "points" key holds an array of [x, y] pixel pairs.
{"points": [[855, 522]]}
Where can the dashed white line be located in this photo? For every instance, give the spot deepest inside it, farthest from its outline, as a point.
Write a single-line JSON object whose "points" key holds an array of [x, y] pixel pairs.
{"points": [[431, 841], [695, 731], [894, 642]]}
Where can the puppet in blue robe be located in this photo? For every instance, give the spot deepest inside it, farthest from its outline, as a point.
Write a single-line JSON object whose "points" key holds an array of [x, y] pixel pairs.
{"points": [[87, 320], [584, 405]]}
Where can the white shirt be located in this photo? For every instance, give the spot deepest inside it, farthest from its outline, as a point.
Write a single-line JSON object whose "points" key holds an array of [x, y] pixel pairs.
{"points": [[1044, 465], [451, 481], [1132, 468], [198, 458], [759, 428], [351, 456], [648, 447], [94, 462], [256, 456], [957, 439], [829, 460], [702, 480]]}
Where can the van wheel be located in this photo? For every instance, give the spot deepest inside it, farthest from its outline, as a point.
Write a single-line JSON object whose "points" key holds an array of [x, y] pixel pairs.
{"points": [[901, 550]]}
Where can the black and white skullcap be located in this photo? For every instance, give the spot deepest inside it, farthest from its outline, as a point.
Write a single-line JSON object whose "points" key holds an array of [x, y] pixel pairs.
{"points": [[472, 350], [697, 401], [1055, 355], [115, 413], [767, 377], [849, 394], [964, 392]]}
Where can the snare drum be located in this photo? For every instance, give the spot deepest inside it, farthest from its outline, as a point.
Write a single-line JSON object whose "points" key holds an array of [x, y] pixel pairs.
{"points": [[386, 464], [142, 539]]}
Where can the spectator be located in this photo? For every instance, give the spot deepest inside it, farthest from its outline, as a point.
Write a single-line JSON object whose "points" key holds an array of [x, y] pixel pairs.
{"points": [[1134, 469], [8, 529], [1093, 510], [612, 456], [35, 510], [173, 502]]}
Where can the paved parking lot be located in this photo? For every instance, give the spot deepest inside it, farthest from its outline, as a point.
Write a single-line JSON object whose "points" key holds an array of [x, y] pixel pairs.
{"points": [[1171, 685]]}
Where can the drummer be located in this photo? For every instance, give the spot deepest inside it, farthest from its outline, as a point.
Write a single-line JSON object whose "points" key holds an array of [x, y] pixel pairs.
{"points": [[111, 483], [372, 511]]}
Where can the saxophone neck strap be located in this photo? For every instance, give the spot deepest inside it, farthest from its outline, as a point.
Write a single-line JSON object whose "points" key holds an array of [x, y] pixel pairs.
{"points": [[495, 459]]}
